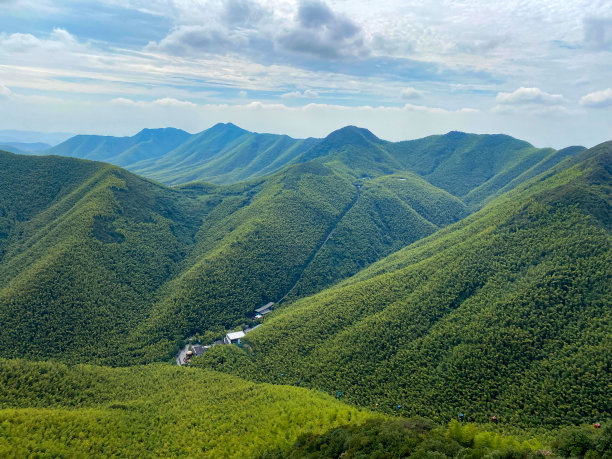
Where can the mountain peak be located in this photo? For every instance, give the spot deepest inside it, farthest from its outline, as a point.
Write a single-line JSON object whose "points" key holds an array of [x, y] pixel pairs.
{"points": [[148, 133], [352, 135], [229, 127]]}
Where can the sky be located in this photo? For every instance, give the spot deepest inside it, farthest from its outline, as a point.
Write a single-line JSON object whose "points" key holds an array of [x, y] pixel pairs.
{"points": [[537, 70]]}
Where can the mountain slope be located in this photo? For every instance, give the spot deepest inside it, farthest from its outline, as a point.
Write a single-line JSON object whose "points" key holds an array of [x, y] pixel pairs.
{"points": [[472, 167], [505, 313], [224, 153], [121, 151], [48, 409], [88, 249]]}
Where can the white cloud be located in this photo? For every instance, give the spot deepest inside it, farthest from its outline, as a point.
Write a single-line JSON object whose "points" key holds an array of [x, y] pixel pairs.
{"points": [[524, 96], [410, 93], [307, 94], [242, 94], [5, 92], [532, 110], [164, 102], [598, 99], [58, 40]]}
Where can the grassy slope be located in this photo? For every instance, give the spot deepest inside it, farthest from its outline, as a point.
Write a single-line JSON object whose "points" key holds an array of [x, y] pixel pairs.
{"points": [[153, 411], [504, 313]]}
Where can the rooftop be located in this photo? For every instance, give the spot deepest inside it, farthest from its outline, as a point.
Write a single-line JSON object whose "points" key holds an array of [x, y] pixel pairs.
{"points": [[264, 308], [235, 335]]}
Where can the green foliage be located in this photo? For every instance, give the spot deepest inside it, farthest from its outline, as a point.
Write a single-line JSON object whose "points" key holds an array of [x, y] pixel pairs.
{"points": [[505, 313], [408, 438], [48, 409], [584, 441], [101, 266]]}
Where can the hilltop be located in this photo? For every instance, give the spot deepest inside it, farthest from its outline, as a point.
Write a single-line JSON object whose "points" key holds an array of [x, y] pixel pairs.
{"points": [[469, 166]]}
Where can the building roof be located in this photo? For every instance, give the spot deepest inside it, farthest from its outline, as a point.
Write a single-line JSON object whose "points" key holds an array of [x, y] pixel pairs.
{"points": [[198, 349], [235, 335], [266, 307]]}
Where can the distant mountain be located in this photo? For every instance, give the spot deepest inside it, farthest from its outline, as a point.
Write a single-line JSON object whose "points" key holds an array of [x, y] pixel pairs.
{"points": [[8, 136], [121, 151], [471, 167], [24, 148], [505, 313], [224, 153]]}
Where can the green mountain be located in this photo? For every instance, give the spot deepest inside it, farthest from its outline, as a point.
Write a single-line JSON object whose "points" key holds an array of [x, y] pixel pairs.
{"points": [[90, 250], [121, 151], [505, 313], [224, 153], [471, 167]]}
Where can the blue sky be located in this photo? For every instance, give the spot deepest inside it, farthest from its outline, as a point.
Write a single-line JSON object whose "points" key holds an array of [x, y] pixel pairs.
{"points": [[537, 70]]}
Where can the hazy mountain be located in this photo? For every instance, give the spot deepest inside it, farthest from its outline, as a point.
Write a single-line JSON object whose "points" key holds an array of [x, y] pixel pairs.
{"points": [[20, 136], [224, 153], [122, 151], [24, 148], [471, 167]]}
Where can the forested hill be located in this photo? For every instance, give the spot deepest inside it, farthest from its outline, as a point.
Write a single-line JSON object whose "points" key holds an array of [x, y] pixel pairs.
{"points": [[505, 313], [224, 153], [471, 167], [100, 265]]}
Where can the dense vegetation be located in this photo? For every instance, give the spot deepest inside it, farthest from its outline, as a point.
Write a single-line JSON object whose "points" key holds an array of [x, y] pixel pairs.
{"points": [[471, 167], [419, 438], [506, 313], [50, 410], [99, 265]]}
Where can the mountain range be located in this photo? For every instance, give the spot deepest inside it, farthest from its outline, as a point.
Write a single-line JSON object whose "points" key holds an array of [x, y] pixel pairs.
{"points": [[454, 273], [225, 154]]}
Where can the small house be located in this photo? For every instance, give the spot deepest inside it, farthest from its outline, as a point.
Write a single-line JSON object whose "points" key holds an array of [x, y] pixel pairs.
{"points": [[260, 312], [198, 349], [234, 337]]}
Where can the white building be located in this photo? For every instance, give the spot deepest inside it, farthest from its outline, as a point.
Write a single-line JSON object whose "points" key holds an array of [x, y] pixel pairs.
{"points": [[234, 337]]}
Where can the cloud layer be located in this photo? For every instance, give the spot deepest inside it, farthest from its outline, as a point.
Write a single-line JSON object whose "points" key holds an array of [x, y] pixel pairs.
{"points": [[411, 67]]}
